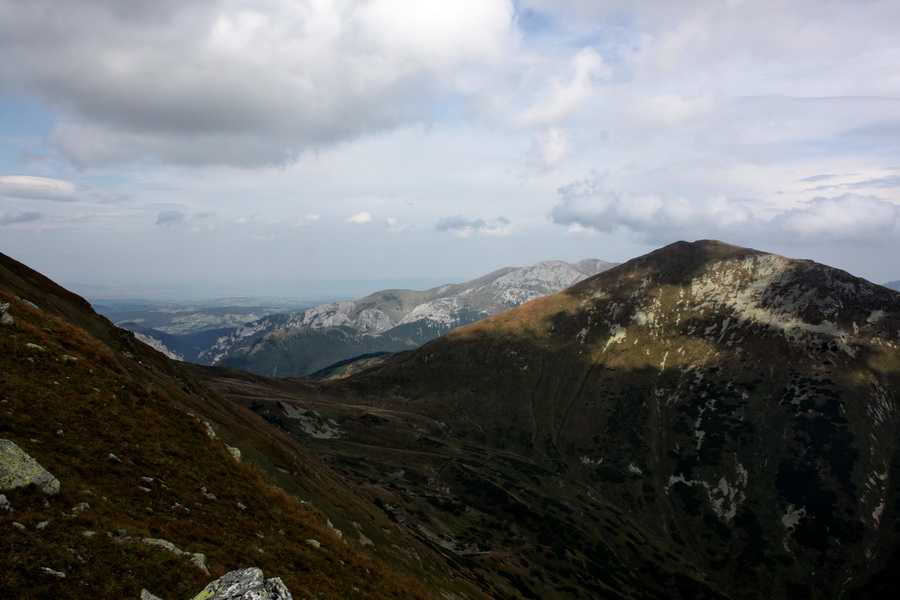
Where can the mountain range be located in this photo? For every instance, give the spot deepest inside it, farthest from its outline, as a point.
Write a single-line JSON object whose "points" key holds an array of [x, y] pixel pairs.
{"points": [[297, 344], [705, 421]]}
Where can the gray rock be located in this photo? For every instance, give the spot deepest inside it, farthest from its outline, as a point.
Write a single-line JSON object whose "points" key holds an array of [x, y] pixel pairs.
{"points": [[5, 317], [4, 503], [18, 469], [145, 595], [245, 584]]}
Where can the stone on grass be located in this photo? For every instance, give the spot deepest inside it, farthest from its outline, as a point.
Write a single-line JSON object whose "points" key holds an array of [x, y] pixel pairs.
{"points": [[245, 584], [18, 469]]}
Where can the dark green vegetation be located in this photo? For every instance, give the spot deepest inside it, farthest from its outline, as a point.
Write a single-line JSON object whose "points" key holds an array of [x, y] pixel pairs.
{"points": [[706, 420]]}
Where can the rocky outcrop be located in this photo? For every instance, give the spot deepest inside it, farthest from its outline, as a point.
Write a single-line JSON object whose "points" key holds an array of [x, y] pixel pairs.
{"points": [[18, 469], [242, 584], [5, 317]]}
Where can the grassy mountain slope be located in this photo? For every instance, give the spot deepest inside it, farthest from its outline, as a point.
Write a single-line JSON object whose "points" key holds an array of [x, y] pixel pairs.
{"points": [[128, 434], [743, 406]]}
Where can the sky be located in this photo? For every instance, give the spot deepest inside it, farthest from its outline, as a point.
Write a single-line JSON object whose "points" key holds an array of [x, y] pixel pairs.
{"points": [[288, 143]]}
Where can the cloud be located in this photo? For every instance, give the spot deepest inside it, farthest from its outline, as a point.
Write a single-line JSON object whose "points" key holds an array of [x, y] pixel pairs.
{"points": [[205, 214], [173, 86], [305, 222], [12, 217], [848, 217], [27, 187], [394, 225], [360, 218], [198, 230], [549, 148], [588, 204], [169, 217], [463, 227], [563, 96]]}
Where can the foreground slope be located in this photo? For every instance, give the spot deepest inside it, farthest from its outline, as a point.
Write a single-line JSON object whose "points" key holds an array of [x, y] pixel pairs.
{"points": [[151, 494], [703, 421], [298, 344]]}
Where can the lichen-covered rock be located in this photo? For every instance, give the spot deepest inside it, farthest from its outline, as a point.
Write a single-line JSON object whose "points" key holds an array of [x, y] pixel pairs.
{"points": [[5, 317], [245, 584], [18, 469]]}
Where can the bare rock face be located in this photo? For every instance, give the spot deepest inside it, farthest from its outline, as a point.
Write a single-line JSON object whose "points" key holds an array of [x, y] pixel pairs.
{"points": [[245, 584], [18, 469], [242, 584]]}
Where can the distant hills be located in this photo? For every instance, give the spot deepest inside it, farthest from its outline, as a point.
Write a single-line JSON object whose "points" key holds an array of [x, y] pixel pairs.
{"points": [[704, 421], [298, 344]]}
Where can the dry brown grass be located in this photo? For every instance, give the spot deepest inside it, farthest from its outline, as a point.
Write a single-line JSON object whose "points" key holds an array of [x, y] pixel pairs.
{"points": [[121, 444]]}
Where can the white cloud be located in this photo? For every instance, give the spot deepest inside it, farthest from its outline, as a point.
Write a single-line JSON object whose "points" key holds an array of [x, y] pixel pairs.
{"points": [[394, 225], [360, 218], [656, 219], [550, 147], [436, 32], [27, 187], [848, 217], [230, 82], [462, 227], [565, 95], [307, 221], [197, 230]]}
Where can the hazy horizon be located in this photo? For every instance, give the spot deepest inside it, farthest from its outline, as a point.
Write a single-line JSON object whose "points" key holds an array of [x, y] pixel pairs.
{"points": [[251, 141]]}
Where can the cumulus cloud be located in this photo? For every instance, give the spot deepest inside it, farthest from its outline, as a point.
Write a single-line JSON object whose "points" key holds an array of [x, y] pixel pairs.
{"points": [[848, 217], [307, 221], [169, 217], [12, 217], [360, 218], [27, 187], [230, 82], [655, 219], [462, 227]]}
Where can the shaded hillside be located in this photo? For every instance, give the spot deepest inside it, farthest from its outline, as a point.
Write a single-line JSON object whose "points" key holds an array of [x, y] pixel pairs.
{"points": [[704, 420], [740, 405], [145, 456], [387, 321]]}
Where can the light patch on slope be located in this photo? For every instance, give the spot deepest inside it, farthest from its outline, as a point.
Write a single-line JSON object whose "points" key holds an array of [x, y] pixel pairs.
{"points": [[312, 423], [159, 346], [725, 497], [617, 335], [745, 286]]}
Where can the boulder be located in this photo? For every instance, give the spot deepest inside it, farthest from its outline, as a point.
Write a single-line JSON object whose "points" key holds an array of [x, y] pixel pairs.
{"points": [[18, 469], [5, 317], [245, 584]]}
